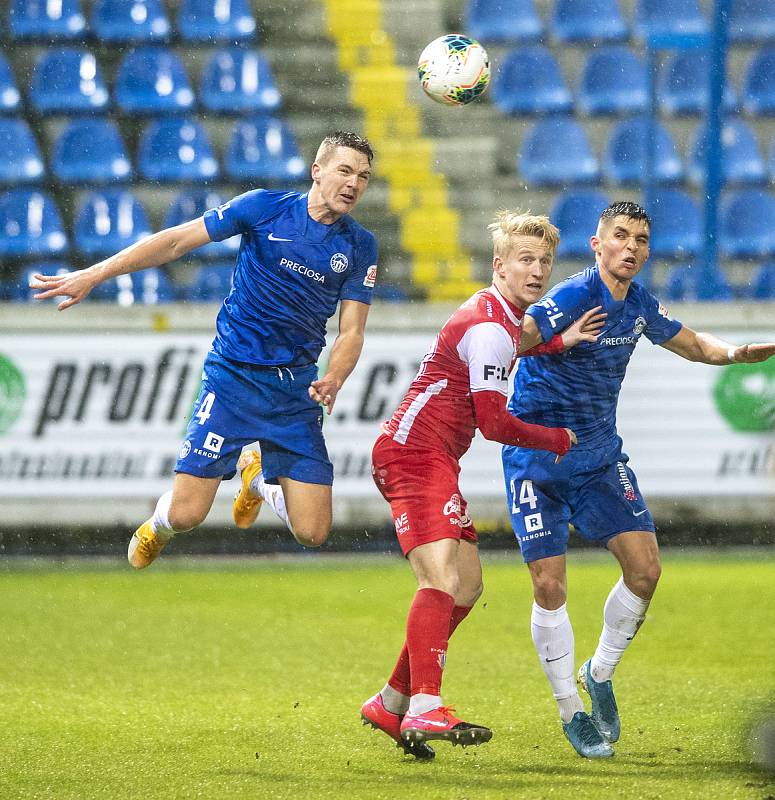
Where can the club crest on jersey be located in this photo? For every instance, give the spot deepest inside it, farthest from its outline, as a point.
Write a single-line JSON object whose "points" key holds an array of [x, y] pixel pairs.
{"points": [[339, 262], [640, 326]]}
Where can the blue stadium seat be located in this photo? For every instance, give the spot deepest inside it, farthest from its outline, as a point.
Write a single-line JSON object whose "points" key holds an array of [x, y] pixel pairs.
{"points": [[90, 151], [741, 162], [665, 17], [529, 81], [135, 21], [625, 154], [746, 229], [176, 150], [763, 282], [503, 21], [192, 204], [18, 290], [576, 214], [263, 149], [614, 81], [216, 20], [556, 152], [46, 20], [9, 93], [588, 21], [147, 287], [238, 81], [676, 230], [751, 21], [153, 80], [108, 221], [688, 283], [683, 85], [212, 283], [30, 225], [20, 159], [759, 83], [68, 81]]}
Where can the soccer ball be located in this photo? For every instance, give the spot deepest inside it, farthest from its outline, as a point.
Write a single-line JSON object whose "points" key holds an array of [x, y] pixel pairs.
{"points": [[454, 69]]}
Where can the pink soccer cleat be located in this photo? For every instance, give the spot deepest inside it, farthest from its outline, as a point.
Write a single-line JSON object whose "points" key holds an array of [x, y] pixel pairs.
{"points": [[374, 713], [441, 723]]}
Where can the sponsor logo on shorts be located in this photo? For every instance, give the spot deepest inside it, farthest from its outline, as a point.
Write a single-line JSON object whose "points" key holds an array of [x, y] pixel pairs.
{"points": [[453, 509], [625, 483], [371, 277], [538, 535], [402, 523], [213, 442], [185, 449], [339, 262], [534, 522]]}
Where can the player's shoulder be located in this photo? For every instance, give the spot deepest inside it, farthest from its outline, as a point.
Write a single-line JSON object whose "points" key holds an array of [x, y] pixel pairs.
{"points": [[265, 201], [359, 233], [485, 306], [585, 279]]}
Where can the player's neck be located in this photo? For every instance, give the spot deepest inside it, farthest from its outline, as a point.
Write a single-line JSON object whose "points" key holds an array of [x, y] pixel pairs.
{"points": [[618, 288], [319, 211]]}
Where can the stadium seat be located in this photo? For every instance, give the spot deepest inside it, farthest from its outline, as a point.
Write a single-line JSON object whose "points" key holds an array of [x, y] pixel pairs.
{"points": [[238, 81], [614, 81], [191, 204], [216, 20], [153, 80], [746, 229], [176, 150], [47, 19], [108, 221], [146, 287], [759, 83], [666, 17], [556, 152], [676, 230], [763, 282], [212, 283], [503, 21], [90, 151], [9, 93], [588, 21], [20, 159], [263, 149], [683, 88], [576, 214], [751, 21], [68, 81], [688, 283], [625, 154], [30, 225], [18, 290], [741, 159], [529, 81], [125, 21]]}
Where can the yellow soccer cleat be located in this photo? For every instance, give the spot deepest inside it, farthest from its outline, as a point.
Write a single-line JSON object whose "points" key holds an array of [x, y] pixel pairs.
{"points": [[144, 547], [246, 504]]}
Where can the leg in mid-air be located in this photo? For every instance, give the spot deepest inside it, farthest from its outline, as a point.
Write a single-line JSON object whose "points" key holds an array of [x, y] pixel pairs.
{"points": [[625, 609], [386, 709], [553, 639]]}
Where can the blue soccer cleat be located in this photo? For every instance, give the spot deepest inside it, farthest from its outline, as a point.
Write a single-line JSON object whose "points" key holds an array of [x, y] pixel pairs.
{"points": [[605, 714], [586, 739]]}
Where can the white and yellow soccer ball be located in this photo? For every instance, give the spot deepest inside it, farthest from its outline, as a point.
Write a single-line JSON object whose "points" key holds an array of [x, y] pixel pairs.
{"points": [[454, 69]]}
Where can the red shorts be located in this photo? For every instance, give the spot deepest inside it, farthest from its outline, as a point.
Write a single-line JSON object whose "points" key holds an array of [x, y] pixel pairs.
{"points": [[422, 489]]}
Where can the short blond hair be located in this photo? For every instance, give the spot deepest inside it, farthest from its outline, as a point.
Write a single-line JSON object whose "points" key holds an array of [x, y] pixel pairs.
{"points": [[508, 224]]}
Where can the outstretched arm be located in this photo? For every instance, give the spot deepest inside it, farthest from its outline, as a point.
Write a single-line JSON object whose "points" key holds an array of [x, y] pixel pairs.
{"points": [[709, 349], [587, 328], [153, 251], [344, 354]]}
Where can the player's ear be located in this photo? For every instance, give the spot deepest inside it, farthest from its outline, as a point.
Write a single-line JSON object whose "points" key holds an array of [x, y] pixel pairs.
{"points": [[594, 243], [497, 266], [315, 171]]}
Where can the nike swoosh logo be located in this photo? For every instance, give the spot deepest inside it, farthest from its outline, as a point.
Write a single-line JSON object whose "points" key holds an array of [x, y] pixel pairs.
{"points": [[273, 238], [639, 512], [549, 660], [430, 722]]}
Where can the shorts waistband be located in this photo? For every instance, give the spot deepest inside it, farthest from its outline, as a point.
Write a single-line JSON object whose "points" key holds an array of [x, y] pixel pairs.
{"points": [[268, 367]]}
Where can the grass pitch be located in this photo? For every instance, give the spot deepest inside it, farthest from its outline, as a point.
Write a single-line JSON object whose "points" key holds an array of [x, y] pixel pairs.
{"points": [[244, 680]]}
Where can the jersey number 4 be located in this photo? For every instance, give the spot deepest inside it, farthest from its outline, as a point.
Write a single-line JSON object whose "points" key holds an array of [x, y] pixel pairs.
{"points": [[526, 495], [203, 414]]}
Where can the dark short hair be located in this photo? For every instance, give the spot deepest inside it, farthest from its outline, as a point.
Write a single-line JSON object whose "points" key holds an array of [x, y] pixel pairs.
{"points": [[626, 208], [345, 139]]}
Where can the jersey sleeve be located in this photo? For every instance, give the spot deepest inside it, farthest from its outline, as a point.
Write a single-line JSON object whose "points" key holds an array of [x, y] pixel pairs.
{"points": [[560, 307], [237, 216], [659, 326], [360, 285], [489, 352]]}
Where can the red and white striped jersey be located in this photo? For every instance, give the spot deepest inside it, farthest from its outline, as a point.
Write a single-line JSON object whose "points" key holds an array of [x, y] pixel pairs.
{"points": [[474, 351]]}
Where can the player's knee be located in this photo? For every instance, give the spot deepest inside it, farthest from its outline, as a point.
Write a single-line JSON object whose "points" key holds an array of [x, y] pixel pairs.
{"points": [[468, 595], [644, 581], [184, 519], [311, 535], [549, 591]]}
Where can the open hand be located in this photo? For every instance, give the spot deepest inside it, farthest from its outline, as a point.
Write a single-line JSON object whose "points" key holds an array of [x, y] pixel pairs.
{"points": [[587, 328], [74, 285], [753, 353]]}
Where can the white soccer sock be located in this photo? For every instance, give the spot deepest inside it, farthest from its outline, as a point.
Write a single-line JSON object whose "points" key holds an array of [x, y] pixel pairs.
{"points": [[553, 640], [272, 494], [160, 519], [394, 702], [423, 703], [622, 616]]}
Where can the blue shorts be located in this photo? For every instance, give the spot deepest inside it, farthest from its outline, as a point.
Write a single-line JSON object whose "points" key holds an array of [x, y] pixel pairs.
{"points": [[239, 404], [594, 490]]}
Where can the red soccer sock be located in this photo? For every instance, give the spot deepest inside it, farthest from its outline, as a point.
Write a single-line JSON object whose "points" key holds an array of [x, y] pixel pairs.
{"points": [[427, 634], [400, 680]]}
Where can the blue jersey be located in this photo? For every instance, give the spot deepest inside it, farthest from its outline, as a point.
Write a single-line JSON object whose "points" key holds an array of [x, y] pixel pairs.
{"points": [[290, 275], [579, 389]]}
